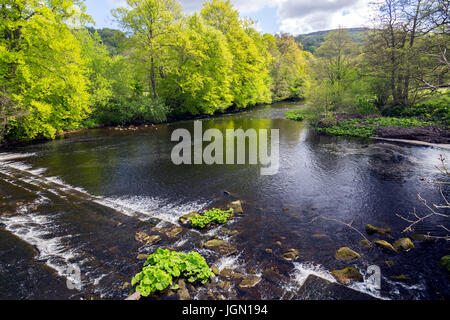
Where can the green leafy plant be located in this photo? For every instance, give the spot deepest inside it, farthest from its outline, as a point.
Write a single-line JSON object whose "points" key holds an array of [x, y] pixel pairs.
{"points": [[212, 216], [163, 266], [297, 115]]}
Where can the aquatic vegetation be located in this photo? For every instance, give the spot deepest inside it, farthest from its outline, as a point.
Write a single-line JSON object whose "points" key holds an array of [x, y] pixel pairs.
{"points": [[212, 216], [366, 127], [297, 115], [163, 266]]}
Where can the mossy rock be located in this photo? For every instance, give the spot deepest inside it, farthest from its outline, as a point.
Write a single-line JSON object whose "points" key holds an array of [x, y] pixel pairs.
{"points": [[370, 229], [319, 236], [422, 237], [215, 270], [346, 254], [290, 255], [390, 263], [225, 285], [386, 246], [445, 263], [174, 232], [404, 244], [250, 281], [236, 206], [142, 256], [365, 243], [186, 218], [347, 275], [221, 247]]}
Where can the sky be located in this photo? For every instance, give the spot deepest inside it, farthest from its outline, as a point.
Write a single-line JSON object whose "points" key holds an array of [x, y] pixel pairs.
{"points": [[272, 16]]}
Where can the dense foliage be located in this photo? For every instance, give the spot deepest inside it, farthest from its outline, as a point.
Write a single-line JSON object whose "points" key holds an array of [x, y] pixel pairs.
{"points": [[217, 216], [163, 266]]}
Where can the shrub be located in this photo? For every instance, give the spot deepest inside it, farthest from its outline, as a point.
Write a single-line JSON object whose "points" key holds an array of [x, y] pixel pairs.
{"points": [[297, 115], [163, 266]]}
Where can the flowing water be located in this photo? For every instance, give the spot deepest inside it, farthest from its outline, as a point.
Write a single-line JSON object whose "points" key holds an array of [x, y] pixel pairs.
{"points": [[79, 201]]}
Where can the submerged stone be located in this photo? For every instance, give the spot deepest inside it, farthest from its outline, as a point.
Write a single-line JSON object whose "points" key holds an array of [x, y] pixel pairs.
{"points": [[445, 263], [390, 263], [346, 254], [370, 229], [365, 243], [400, 278], [347, 275], [142, 256], [250, 281], [237, 207], [404, 244], [220, 246], [174, 232], [225, 285], [386, 246], [290, 255]]}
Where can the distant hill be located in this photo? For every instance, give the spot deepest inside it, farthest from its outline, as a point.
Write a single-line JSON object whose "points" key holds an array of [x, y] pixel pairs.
{"points": [[312, 41], [113, 39]]}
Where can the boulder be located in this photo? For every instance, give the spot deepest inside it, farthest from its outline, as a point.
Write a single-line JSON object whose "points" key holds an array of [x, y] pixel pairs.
{"points": [[404, 244], [250, 281], [386, 246], [346, 254], [236, 206], [221, 247], [370, 229], [316, 289], [347, 275]]}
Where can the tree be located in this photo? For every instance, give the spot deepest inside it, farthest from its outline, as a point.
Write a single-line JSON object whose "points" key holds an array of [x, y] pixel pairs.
{"points": [[250, 77], [42, 73], [198, 79], [151, 23], [288, 67]]}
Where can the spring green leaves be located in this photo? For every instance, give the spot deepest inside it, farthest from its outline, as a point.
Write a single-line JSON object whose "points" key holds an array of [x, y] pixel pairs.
{"points": [[297, 115], [210, 217], [162, 267]]}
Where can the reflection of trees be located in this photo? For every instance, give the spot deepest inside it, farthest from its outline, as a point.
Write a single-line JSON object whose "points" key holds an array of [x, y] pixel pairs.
{"points": [[433, 209]]}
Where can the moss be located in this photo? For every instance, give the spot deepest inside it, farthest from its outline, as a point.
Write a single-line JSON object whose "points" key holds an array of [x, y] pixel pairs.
{"points": [[386, 246], [404, 244], [445, 263], [347, 275], [346, 254], [365, 243], [370, 229]]}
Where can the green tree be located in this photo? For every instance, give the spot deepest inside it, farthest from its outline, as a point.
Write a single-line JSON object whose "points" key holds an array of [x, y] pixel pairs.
{"points": [[152, 23], [250, 80], [42, 72]]}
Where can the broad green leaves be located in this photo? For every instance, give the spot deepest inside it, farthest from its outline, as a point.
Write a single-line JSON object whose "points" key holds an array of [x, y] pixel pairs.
{"points": [[218, 216], [163, 266]]}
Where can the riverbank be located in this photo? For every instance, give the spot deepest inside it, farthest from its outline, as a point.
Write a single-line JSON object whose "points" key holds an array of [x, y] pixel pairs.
{"points": [[406, 129]]}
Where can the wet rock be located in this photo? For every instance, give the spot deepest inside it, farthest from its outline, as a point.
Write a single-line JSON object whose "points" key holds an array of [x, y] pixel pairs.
{"points": [[226, 273], [174, 232], [278, 243], [400, 278], [386, 246], [347, 275], [225, 285], [316, 288], [290, 255], [370, 229], [346, 254], [286, 210], [185, 219], [134, 297], [183, 292], [220, 246], [250, 281], [365, 243], [390, 263], [142, 256], [215, 270], [237, 207], [404, 244], [445, 263], [234, 233], [236, 276], [269, 250], [125, 285], [422, 237], [147, 240]]}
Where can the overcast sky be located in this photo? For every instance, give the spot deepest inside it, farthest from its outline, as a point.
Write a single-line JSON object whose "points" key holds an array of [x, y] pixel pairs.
{"points": [[293, 16]]}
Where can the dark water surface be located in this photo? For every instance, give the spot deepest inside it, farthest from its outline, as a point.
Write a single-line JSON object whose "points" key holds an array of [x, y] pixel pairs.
{"points": [[79, 201]]}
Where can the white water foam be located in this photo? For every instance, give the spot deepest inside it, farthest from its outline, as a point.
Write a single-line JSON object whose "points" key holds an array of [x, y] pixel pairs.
{"points": [[14, 156], [303, 270]]}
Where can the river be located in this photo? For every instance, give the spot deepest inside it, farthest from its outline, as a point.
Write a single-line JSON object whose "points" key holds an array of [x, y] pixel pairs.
{"points": [[78, 201]]}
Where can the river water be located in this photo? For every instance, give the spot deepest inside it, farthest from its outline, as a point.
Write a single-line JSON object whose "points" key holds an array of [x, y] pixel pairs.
{"points": [[78, 201]]}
